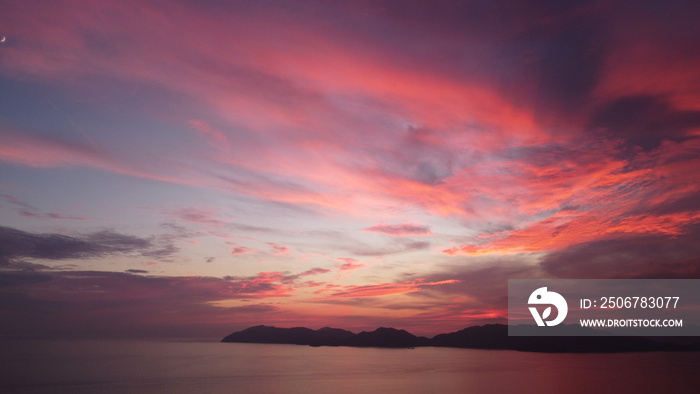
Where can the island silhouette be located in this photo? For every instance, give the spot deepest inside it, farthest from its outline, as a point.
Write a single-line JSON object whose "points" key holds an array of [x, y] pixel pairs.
{"points": [[490, 336]]}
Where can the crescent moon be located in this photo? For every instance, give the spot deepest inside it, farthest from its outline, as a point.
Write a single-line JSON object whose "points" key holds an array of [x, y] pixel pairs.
{"points": [[3, 39]]}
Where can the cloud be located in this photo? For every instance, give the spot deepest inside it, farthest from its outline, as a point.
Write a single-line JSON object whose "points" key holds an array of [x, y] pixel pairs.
{"points": [[593, 194], [648, 257], [270, 284], [207, 217], [257, 308], [78, 303], [268, 87], [442, 126], [350, 264], [24, 148], [380, 289], [27, 210], [18, 244], [239, 249], [666, 34], [479, 292], [396, 246], [11, 279], [644, 121], [314, 271], [135, 271], [566, 132], [214, 137], [406, 229], [278, 250]]}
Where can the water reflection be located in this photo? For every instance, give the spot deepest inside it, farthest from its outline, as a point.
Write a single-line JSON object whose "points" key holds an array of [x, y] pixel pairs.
{"points": [[185, 367]]}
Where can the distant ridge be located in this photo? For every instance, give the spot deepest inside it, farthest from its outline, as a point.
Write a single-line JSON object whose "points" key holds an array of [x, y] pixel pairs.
{"points": [[387, 337], [490, 336], [294, 336]]}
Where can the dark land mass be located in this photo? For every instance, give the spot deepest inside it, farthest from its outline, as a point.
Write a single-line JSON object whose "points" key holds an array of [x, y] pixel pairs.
{"points": [[294, 336], [491, 336]]}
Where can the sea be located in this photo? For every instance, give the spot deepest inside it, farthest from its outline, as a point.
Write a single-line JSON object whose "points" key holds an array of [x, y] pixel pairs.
{"points": [[186, 366]]}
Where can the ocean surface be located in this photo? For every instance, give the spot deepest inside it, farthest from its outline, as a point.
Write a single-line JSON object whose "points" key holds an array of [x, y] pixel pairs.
{"points": [[146, 366]]}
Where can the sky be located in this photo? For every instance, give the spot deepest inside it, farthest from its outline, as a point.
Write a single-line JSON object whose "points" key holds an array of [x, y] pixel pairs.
{"points": [[192, 168]]}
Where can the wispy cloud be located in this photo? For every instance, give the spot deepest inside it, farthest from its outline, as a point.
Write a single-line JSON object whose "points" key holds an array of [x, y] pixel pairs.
{"points": [[278, 250], [27, 210], [435, 136], [399, 229], [239, 249], [380, 289], [350, 264], [51, 246]]}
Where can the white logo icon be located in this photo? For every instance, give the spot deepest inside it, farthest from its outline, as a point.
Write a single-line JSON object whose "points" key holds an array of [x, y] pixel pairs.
{"points": [[543, 297]]}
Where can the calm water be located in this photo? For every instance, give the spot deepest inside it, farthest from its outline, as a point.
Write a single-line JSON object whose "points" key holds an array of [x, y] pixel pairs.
{"points": [[122, 366]]}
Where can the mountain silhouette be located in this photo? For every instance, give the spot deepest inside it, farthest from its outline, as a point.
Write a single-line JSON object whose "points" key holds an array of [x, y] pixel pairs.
{"points": [[495, 336], [490, 336], [387, 337], [295, 336]]}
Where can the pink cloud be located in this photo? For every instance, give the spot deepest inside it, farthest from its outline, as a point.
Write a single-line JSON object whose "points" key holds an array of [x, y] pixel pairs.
{"points": [[470, 143], [264, 285], [239, 249], [203, 216], [350, 264], [278, 249], [214, 137], [417, 95]]}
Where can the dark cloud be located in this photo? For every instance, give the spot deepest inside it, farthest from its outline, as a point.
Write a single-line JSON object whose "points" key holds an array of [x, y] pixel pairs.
{"points": [[485, 283], [164, 250], [114, 241], [135, 271], [58, 304], [17, 244], [11, 279], [630, 257], [644, 121], [550, 51], [688, 203], [88, 303], [563, 54]]}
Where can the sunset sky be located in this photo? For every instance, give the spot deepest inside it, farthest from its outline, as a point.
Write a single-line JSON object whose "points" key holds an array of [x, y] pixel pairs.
{"points": [[184, 167]]}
